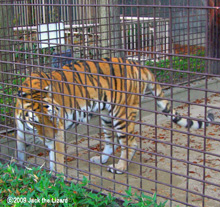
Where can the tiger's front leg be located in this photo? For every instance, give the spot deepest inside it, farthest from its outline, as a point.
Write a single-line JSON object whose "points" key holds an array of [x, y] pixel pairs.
{"points": [[56, 154], [20, 150]]}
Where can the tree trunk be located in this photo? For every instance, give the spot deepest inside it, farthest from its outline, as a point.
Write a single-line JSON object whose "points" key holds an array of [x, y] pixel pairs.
{"points": [[110, 28], [116, 28], [103, 21]]}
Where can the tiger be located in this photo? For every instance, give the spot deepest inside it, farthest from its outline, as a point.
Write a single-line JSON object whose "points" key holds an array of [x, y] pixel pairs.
{"points": [[68, 96]]}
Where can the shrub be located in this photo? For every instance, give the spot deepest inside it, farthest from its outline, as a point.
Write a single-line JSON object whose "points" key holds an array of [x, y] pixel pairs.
{"points": [[180, 64], [23, 187]]}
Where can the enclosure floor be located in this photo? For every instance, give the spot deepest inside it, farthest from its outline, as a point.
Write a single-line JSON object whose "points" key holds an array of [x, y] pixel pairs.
{"points": [[158, 168]]}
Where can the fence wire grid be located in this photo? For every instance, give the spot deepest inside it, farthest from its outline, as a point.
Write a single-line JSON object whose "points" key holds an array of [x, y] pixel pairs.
{"points": [[64, 62]]}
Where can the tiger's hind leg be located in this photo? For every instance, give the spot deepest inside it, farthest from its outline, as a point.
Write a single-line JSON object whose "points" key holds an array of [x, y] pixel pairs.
{"points": [[128, 142], [108, 148]]}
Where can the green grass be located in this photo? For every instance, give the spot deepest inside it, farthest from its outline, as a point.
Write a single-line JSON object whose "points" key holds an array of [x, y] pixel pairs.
{"points": [[20, 187], [180, 64], [6, 96]]}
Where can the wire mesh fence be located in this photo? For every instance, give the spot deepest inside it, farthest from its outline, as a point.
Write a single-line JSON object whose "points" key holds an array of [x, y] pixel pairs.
{"points": [[80, 89]]}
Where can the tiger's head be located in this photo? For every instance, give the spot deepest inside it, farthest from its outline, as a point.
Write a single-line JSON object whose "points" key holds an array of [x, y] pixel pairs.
{"points": [[34, 85], [36, 112]]}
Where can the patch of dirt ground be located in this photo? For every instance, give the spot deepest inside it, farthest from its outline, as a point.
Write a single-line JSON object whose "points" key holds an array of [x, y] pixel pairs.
{"points": [[169, 161]]}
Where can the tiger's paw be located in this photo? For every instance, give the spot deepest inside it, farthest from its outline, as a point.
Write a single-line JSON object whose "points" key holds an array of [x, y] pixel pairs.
{"points": [[98, 160], [117, 169]]}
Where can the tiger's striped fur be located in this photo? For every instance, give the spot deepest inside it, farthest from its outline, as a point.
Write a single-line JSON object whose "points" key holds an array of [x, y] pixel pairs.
{"points": [[63, 98]]}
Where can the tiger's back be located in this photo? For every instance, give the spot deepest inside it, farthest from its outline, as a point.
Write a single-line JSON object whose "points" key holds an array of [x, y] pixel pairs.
{"points": [[95, 80]]}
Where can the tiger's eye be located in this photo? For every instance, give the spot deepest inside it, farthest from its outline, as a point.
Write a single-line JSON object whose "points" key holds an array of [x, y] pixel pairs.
{"points": [[21, 94]]}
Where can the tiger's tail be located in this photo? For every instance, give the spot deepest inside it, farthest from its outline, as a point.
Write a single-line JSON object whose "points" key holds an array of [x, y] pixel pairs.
{"points": [[165, 106]]}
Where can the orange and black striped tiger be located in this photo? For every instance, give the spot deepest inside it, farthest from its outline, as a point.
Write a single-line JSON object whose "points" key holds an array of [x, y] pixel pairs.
{"points": [[63, 98]]}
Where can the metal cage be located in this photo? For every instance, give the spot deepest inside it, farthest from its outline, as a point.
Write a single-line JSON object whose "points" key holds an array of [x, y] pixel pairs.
{"points": [[177, 40]]}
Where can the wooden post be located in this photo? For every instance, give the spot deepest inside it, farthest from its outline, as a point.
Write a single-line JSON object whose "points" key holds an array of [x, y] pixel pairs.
{"points": [[214, 36]]}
